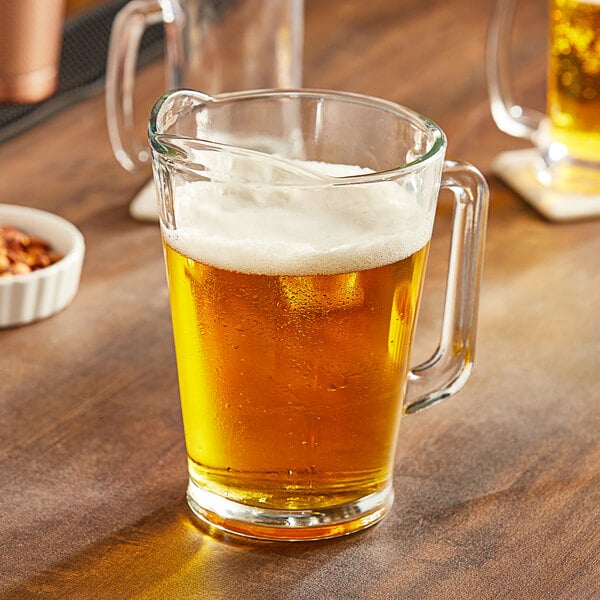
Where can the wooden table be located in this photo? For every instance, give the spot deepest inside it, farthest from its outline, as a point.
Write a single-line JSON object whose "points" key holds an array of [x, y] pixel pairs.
{"points": [[497, 489]]}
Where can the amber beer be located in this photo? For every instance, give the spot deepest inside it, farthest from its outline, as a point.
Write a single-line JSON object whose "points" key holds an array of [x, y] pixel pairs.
{"points": [[574, 77], [293, 357]]}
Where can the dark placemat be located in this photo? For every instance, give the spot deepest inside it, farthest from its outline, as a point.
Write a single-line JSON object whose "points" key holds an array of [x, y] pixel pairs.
{"points": [[82, 66]]}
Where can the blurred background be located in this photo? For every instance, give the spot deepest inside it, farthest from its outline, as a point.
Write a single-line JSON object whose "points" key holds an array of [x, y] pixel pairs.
{"points": [[82, 35], [87, 25]]}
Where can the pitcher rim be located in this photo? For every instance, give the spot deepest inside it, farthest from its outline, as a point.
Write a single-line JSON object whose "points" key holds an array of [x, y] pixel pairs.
{"points": [[438, 137]]}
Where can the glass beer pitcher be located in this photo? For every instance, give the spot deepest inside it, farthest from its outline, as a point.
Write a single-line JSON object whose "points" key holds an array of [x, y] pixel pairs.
{"points": [[296, 227], [211, 45]]}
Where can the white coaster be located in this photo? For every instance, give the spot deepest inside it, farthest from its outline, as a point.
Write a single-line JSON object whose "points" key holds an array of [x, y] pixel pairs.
{"points": [[517, 169], [144, 206]]}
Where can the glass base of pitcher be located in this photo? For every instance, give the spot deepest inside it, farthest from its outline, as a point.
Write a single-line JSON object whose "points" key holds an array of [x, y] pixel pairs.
{"points": [[288, 525]]}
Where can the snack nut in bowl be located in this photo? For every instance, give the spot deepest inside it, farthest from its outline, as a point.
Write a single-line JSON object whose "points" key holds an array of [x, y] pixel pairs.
{"points": [[41, 256]]}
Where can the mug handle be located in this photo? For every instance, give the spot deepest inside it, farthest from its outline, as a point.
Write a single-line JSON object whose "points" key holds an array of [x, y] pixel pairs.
{"points": [[123, 49], [511, 118], [450, 366]]}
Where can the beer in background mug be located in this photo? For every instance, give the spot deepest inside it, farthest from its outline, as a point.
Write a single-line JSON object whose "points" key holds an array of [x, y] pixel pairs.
{"points": [[296, 227], [574, 77], [568, 137]]}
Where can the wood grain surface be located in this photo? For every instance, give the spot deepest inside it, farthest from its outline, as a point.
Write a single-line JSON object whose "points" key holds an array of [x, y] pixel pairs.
{"points": [[497, 489]]}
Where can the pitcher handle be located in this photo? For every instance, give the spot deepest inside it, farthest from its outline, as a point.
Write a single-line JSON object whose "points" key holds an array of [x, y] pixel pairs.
{"points": [[511, 118], [125, 37], [450, 366]]}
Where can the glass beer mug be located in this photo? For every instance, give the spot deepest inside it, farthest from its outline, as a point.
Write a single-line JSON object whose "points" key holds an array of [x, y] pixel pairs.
{"points": [[212, 45], [296, 227], [568, 137]]}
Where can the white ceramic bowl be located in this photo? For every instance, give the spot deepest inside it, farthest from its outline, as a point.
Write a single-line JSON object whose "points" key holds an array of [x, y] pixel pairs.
{"points": [[44, 292]]}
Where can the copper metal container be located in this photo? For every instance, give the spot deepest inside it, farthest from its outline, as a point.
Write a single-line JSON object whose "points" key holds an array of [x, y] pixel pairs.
{"points": [[30, 42]]}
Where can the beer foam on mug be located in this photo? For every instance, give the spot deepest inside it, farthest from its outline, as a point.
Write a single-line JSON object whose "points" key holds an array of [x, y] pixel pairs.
{"points": [[313, 227]]}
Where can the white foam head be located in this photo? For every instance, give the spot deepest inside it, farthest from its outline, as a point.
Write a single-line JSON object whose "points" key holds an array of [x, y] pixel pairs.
{"points": [[265, 227]]}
